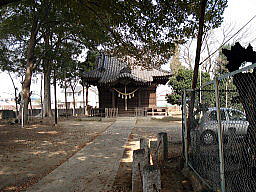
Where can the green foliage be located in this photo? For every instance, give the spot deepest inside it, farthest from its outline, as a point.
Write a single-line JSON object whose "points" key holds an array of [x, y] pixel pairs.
{"points": [[90, 61], [229, 96], [146, 30], [180, 81], [88, 65], [60, 34]]}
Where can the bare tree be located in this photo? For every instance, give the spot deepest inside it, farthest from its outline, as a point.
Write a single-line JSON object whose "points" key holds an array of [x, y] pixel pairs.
{"points": [[186, 54], [15, 94], [213, 41], [73, 83]]}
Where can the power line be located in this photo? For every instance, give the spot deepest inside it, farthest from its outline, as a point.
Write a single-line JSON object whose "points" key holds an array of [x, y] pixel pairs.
{"points": [[228, 40]]}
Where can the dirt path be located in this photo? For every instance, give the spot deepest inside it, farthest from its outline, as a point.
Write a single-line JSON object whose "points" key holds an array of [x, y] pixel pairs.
{"points": [[28, 154], [171, 177], [94, 167], [31, 153]]}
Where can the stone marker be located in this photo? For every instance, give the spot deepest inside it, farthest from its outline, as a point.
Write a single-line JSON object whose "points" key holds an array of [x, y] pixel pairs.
{"points": [[162, 147], [153, 151], [139, 161], [151, 179], [144, 145]]}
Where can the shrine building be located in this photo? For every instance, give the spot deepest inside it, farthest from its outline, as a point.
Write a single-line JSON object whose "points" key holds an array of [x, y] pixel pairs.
{"points": [[125, 87]]}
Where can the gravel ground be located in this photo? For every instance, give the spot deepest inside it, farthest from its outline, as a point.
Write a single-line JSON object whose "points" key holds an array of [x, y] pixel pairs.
{"points": [[27, 154], [171, 177]]}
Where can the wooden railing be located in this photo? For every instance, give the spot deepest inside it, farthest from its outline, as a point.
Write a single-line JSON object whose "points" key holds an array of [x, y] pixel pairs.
{"points": [[140, 111], [151, 111], [111, 112], [157, 111], [103, 112], [97, 112]]}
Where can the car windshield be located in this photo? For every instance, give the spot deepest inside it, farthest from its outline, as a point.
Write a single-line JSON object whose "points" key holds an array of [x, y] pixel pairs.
{"points": [[236, 115], [213, 115]]}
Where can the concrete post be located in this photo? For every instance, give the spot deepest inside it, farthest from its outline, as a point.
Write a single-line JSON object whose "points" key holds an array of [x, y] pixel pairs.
{"points": [[151, 179], [138, 163], [185, 133], [162, 144], [106, 112], [144, 145], [220, 136], [153, 150]]}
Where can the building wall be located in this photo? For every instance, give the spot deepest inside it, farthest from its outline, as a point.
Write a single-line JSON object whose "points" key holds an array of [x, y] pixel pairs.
{"points": [[143, 97], [92, 98], [148, 97], [105, 97], [161, 94]]}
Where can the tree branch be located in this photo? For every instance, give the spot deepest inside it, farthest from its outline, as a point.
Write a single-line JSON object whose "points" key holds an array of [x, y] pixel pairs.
{"points": [[6, 2]]}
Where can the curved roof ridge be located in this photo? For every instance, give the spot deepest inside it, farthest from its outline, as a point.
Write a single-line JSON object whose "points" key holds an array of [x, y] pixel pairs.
{"points": [[114, 69]]}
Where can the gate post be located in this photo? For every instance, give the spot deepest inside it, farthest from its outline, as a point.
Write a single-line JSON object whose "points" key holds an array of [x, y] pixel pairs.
{"points": [[220, 135], [185, 133]]}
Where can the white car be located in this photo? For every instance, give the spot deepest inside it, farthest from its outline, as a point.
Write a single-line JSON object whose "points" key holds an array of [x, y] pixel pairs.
{"points": [[232, 121]]}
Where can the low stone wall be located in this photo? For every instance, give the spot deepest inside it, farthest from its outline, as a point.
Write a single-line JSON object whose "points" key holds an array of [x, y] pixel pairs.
{"points": [[7, 114]]}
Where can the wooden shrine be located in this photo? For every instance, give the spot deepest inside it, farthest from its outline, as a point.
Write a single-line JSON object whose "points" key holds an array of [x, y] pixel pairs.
{"points": [[125, 87]]}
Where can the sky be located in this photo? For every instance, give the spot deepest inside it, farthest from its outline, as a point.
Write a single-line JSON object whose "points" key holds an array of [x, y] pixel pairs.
{"points": [[240, 11], [237, 13]]}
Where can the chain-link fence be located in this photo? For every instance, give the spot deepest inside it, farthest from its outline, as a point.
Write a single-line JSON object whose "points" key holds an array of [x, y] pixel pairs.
{"points": [[222, 141]]}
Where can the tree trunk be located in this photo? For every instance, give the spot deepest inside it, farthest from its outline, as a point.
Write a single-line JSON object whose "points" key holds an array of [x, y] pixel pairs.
{"points": [[16, 102], [47, 92], [66, 99], [15, 95], [74, 101], [245, 84], [47, 79], [196, 67], [41, 96], [83, 100], [55, 100], [29, 68], [86, 100], [26, 90], [246, 87]]}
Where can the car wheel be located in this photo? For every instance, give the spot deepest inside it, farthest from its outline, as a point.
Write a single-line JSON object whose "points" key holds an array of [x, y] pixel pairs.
{"points": [[208, 138]]}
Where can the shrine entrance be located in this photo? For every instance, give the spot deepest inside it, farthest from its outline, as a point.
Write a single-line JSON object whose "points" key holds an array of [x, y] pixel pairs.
{"points": [[124, 87]]}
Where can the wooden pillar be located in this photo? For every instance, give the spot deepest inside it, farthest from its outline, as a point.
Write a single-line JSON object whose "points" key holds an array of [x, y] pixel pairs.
{"points": [[139, 98], [113, 99], [125, 99]]}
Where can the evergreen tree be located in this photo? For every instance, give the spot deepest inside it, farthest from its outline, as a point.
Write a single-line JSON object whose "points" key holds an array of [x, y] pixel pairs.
{"points": [[33, 31], [180, 81]]}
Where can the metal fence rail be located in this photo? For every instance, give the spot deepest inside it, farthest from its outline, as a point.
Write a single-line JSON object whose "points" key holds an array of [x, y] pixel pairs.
{"points": [[222, 148]]}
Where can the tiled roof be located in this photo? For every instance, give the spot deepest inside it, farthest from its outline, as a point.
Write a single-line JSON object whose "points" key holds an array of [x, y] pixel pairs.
{"points": [[111, 70]]}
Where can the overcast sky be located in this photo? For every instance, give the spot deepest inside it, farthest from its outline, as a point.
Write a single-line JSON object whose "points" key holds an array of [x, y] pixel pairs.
{"points": [[238, 13]]}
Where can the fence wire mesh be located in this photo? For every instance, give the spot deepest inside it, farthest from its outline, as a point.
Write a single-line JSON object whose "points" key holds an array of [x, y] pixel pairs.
{"points": [[239, 104], [225, 158], [203, 155]]}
